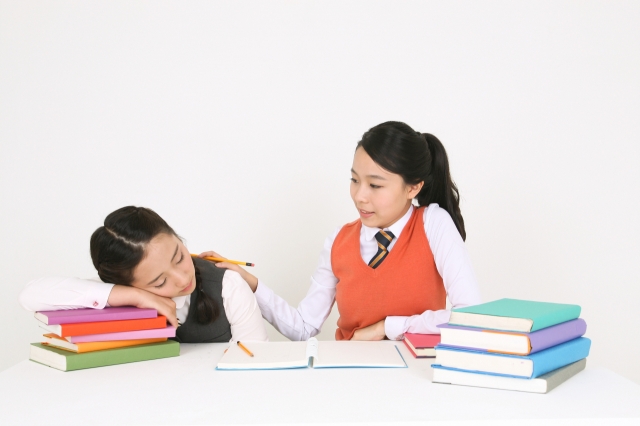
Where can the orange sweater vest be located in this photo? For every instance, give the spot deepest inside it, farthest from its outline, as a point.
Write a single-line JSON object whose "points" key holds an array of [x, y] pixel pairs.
{"points": [[406, 283]]}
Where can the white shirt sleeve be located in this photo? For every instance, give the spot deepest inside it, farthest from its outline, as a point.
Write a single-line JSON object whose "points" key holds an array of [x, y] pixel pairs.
{"points": [[454, 266], [241, 309], [55, 293], [305, 321]]}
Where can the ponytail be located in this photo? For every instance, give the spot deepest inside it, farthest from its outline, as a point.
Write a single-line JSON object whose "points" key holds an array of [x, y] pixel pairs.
{"points": [[439, 187], [417, 157], [207, 310]]}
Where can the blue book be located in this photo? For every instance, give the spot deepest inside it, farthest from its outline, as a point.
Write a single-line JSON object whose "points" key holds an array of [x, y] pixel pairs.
{"points": [[529, 366]]}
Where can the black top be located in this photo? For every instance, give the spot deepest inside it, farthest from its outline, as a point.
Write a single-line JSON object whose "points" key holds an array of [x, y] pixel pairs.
{"points": [[219, 330]]}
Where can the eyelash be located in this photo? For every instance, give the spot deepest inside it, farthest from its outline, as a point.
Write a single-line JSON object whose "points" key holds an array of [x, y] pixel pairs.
{"points": [[353, 180], [165, 281]]}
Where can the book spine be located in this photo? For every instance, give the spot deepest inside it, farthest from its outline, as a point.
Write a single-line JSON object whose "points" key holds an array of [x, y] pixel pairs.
{"points": [[409, 347], [82, 329], [123, 355], [559, 356], [103, 316], [557, 334], [154, 333], [100, 346]]}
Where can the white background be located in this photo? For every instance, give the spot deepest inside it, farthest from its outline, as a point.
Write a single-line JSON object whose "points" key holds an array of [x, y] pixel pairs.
{"points": [[237, 121]]}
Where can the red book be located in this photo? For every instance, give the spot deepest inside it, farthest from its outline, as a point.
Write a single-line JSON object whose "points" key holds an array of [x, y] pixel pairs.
{"points": [[421, 345], [85, 328]]}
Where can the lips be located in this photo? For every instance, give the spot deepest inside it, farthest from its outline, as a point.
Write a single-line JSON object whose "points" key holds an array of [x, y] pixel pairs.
{"points": [[365, 213]]}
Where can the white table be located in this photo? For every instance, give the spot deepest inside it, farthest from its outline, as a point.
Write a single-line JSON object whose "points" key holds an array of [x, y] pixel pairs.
{"points": [[188, 390]]}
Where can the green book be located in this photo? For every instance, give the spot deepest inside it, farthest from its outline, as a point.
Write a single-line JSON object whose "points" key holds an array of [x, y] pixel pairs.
{"points": [[514, 315], [69, 361]]}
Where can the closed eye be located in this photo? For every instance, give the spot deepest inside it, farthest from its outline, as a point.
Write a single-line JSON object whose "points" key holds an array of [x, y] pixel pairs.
{"points": [[181, 257], [160, 285]]}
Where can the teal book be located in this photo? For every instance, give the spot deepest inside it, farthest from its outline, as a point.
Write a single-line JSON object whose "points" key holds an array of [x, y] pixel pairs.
{"points": [[527, 366], [514, 315], [69, 361]]}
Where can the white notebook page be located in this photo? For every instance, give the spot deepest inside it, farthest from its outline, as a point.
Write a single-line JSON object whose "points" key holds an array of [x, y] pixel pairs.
{"points": [[357, 354], [266, 355]]}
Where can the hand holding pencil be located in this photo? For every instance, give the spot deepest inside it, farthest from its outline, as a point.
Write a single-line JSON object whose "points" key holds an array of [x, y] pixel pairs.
{"points": [[222, 262]]}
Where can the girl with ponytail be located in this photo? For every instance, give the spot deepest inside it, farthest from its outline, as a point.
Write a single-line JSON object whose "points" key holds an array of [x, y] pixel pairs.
{"points": [[391, 271], [142, 262]]}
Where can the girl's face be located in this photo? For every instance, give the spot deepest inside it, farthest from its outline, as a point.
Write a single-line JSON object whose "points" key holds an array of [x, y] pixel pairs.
{"points": [[166, 269], [381, 197]]}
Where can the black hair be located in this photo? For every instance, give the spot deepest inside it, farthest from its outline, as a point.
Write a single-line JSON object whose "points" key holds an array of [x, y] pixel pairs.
{"points": [[119, 245], [417, 157]]}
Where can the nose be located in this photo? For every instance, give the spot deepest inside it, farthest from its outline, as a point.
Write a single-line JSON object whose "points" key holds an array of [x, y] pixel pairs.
{"points": [[181, 279], [361, 194]]}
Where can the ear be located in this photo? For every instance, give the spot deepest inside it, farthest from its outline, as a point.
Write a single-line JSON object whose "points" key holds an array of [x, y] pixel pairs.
{"points": [[414, 190]]}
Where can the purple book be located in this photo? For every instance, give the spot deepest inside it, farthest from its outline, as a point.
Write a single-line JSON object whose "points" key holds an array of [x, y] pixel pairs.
{"points": [[154, 333], [74, 316], [511, 342]]}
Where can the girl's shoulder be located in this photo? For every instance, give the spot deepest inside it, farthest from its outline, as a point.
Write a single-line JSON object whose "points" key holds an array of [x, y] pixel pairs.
{"points": [[209, 270], [435, 217], [236, 293]]}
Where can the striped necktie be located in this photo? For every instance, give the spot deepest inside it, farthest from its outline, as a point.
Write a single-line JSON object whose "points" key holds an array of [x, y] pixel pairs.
{"points": [[383, 238]]}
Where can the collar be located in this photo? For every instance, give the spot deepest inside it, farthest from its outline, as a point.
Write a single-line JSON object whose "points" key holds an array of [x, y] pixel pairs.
{"points": [[396, 228], [180, 300]]}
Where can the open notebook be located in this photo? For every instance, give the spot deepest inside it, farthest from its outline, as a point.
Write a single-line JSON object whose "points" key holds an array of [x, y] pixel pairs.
{"points": [[312, 353]]}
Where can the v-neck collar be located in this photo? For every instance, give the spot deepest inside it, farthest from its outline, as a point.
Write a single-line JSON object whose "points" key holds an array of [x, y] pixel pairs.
{"points": [[396, 228]]}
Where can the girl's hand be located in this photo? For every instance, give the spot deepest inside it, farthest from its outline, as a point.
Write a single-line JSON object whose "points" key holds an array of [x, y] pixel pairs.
{"points": [[249, 278], [123, 295], [372, 332]]}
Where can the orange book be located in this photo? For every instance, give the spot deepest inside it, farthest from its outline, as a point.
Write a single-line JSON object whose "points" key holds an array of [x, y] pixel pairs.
{"points": [[85, 328], [60, 343]]}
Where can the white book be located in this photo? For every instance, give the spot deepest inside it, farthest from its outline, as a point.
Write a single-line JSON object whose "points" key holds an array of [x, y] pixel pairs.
{"points": [[542, 384], [311, 354]]}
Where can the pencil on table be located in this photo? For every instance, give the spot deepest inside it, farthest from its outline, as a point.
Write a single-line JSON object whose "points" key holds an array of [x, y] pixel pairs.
{"points": [[244, 348], [220, 259]]}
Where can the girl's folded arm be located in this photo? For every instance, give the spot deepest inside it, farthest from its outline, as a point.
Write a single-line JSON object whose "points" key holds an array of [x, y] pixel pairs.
{"points": [[57, 293], [454, 266]]}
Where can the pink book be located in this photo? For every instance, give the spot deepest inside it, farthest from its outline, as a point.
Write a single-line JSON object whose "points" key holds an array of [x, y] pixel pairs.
{"points": [[169, 331], [74, 316], [421, 345]]}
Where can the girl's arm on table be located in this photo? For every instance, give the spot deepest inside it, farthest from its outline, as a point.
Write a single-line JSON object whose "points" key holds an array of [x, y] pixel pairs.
{"points": [[57, 293]]}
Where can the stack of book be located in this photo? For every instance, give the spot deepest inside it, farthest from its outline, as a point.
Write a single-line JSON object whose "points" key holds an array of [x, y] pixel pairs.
{"points": [[87, 338], [512, 344]]}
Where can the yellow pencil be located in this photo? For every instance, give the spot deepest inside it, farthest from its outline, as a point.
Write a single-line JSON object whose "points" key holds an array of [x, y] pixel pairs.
{"points": [[220, 259], [244, 348]]}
